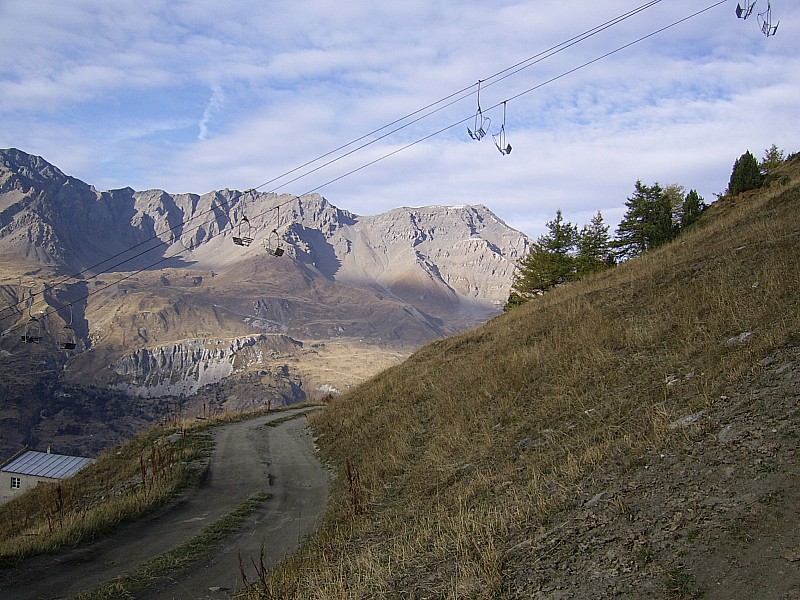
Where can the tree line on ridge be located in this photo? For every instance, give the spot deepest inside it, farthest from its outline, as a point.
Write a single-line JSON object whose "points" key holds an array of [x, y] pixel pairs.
{"points": [[655, 215]]}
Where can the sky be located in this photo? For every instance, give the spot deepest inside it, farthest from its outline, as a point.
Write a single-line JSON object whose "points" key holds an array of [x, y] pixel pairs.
{"points": [[200, 95]]}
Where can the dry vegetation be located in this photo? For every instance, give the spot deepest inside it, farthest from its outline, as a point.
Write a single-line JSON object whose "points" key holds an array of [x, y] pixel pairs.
{"points": [[450, 461], [124, 483]]}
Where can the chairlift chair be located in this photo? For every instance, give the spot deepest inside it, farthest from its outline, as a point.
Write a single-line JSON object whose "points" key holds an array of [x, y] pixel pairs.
{"points": [[33, 328], [765, 21], [246, 238], [67, 339], [273, 241], [745, 11], [500, 137], [481, 124], [33, 331], [273, 244]]}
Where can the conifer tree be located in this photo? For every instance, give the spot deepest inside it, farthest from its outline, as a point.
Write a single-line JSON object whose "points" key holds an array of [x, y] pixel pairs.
{"points": [[693, 207], [561, 237], [746, 175], [773, 157], [675, 195], [594, 247], [647, 223], [550, 262]]}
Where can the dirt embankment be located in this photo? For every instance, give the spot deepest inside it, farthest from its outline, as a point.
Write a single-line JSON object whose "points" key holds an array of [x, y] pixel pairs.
{"points": [[714, 517]]}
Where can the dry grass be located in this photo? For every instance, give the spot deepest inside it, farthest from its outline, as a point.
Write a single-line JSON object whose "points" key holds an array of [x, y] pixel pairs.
{"points": [[123, 484], [476, 441]]}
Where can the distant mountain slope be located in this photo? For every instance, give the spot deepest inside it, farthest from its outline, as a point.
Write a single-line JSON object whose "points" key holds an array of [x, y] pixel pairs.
{"points": [[161, 301], [453, 255]]}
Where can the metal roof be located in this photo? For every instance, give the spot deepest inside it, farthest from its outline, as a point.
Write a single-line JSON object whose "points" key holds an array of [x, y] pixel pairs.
{"points": [[44, 464]]}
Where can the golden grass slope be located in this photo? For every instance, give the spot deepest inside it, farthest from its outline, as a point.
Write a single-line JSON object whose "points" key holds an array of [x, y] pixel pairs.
{"points": [[124, 483], [450, 463]]}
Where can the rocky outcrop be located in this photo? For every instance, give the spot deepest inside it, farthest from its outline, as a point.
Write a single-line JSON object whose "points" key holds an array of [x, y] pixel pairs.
{"points": [[185, 367]]}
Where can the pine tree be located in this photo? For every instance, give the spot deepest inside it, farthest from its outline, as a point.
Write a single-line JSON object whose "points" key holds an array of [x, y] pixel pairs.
{"points": [[693, 207], [647, 223], [561, 238], [746, 175], [594, 247], [550, 262]]}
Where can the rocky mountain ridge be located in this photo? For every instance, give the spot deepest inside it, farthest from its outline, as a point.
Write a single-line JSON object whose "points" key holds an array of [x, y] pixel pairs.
{"points": [[161, 302], [466, 251]]}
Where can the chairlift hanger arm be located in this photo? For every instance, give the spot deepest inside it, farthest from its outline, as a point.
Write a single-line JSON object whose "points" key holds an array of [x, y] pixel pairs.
{"points": [[273, 241], [745, 11], [481, 124], [500, 137], [765, 21], [67, 340], [32, 334]]}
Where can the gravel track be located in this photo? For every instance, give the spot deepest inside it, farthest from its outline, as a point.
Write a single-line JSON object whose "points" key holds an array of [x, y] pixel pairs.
{"points": [[249, 457]]}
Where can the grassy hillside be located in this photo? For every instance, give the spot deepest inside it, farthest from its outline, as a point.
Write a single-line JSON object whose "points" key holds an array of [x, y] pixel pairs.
{"points": [[633, 434], [124, 483]]}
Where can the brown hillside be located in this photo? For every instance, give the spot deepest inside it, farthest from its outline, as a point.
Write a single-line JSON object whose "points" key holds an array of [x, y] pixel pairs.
{"points": [[632, 435]]}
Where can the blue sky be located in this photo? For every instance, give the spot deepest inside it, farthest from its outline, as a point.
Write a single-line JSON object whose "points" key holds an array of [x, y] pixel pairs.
{"points": [[193, 96]]}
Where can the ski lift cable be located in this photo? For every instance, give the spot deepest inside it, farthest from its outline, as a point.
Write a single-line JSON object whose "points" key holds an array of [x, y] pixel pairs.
{"points": [[466, 91], [462, 121], [407, 146], [452, 98], [462, 94], [352, 171], [612, 52], [516, 96]]}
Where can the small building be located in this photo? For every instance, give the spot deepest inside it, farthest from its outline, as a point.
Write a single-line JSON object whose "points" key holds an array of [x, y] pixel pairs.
{"points": [[29, 468]]}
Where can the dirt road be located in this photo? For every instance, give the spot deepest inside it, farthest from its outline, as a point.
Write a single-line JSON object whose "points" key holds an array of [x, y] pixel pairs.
{"points": [[249, 457]]}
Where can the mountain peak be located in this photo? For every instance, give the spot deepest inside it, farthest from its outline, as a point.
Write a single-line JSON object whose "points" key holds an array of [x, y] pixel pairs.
{"points": [[162, 301]]}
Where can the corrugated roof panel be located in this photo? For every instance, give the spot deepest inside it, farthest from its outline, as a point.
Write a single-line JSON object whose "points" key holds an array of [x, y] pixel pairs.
{"points": [[43, 464]]}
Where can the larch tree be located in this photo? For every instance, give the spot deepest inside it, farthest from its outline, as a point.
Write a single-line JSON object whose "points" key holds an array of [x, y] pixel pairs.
{"points": [[773, 157]]}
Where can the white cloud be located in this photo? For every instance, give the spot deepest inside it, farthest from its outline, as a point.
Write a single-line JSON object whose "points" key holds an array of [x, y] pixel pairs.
{"points": [[117, 94], [214, 105]]}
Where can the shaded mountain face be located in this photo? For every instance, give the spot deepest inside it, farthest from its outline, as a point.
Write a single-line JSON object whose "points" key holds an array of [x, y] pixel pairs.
{"points": [[160, 301]]}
